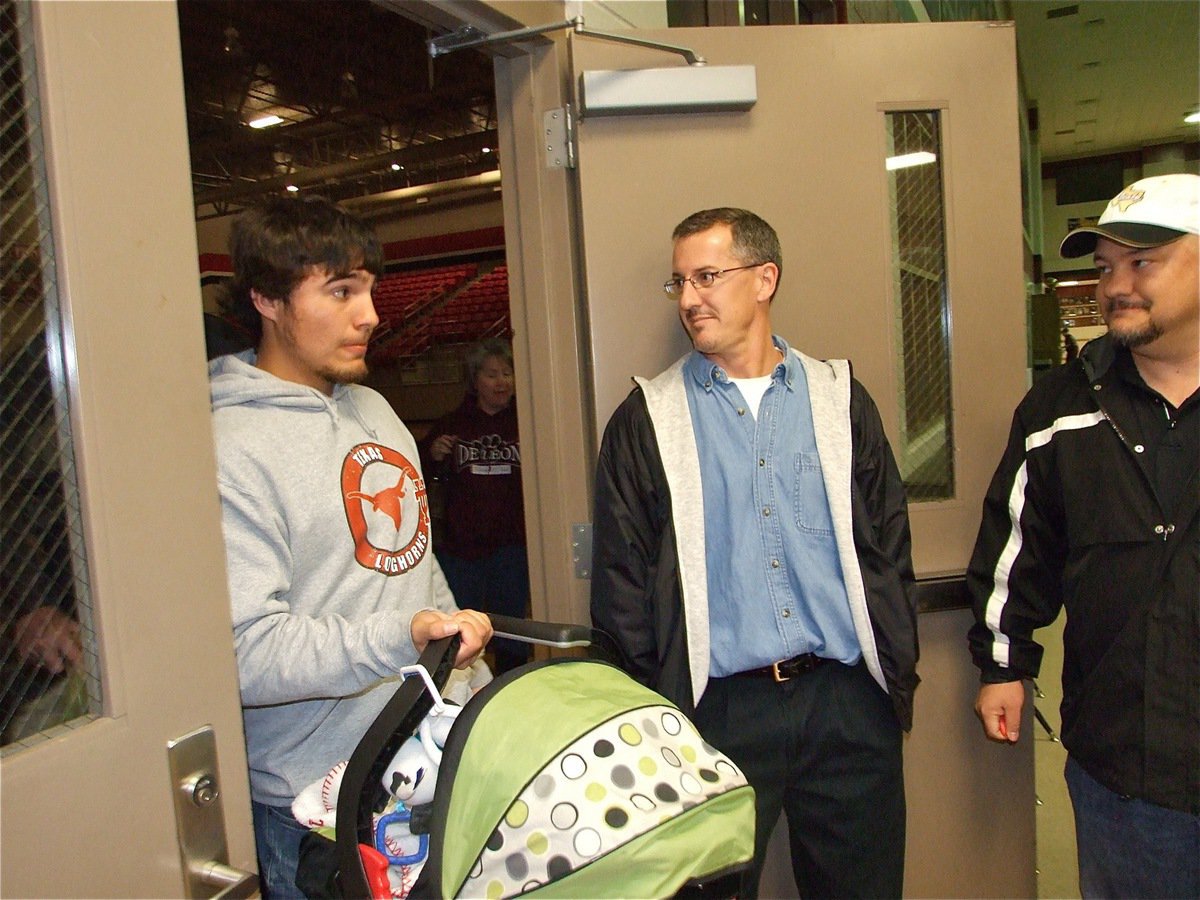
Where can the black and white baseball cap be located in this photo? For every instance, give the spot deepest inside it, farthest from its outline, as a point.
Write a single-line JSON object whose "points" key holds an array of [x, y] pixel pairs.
{"points": [[1148, 213]]}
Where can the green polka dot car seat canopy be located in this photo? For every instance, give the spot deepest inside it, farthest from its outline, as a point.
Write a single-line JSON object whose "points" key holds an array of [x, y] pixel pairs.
{"points": [[582, 783]]}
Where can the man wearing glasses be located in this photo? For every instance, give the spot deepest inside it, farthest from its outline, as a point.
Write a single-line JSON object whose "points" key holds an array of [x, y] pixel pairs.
{"points": [[752, 559]]}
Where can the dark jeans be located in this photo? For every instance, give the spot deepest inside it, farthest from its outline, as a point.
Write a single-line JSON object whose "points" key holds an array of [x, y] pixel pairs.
{"points": [[826, 748], [277, 835], [1131, 848], [493, 584]]}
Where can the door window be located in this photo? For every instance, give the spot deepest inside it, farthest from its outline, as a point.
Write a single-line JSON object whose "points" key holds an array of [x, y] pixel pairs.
{"points": [[925, 451], [47, 642]]}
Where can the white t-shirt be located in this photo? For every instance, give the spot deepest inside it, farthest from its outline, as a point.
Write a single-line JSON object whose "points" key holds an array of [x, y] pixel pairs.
{"points": [[752, 391]]}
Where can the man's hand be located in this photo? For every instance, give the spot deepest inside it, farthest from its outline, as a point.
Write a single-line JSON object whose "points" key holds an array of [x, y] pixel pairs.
{"points": [[999, 709], [48, 638], [473, 627]]}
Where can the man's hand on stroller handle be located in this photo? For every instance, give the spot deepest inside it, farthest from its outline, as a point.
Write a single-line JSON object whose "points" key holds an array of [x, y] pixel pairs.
{"points": [[473, 627]]}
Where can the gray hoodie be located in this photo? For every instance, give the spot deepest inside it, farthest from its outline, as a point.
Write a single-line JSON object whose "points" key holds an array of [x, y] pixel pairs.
{"points": [[328, 550]]}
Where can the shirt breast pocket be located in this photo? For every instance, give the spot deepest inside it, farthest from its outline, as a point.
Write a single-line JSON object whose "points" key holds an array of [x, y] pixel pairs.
{"points": [[810, 503]]}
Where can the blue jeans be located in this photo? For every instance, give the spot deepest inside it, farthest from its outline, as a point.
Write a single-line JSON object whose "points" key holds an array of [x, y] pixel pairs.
{"points": [[1131, 848], [277, 834]]}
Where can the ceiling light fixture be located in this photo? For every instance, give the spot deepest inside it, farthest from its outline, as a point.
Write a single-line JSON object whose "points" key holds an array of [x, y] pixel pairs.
{"points": [[1192, 118], [396, 167], [292, 188], [908, 160], [266, 122]]}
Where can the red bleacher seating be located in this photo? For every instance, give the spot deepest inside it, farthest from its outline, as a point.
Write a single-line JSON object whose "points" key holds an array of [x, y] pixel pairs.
{"points": [[441, 305]]}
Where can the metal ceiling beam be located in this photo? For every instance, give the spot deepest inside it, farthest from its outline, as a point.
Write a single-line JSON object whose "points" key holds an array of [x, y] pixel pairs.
{"points": [[419, 153], [485, 180], [425, 198]]}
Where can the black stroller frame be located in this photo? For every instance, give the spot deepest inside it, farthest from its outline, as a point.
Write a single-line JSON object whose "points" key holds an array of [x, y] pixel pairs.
{"points": [[361, 871]]}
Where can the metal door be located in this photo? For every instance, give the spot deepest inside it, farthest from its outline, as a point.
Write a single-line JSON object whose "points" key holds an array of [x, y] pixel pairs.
{"points": [[89, 807], [914, 274]]}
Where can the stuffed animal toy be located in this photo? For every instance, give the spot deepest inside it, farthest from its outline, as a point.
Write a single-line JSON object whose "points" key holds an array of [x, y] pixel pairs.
{"points": [[410, 778]]}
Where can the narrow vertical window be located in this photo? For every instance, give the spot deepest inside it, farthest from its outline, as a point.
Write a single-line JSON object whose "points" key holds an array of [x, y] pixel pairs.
{"points": [[922, 305], [48, 665]]}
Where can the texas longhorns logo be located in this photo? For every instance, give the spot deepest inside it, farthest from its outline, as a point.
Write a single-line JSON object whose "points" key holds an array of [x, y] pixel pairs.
{"points": [[389, 501], [404, 503]]}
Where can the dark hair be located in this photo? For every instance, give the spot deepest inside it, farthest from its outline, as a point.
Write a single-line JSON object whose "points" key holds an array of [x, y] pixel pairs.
{"points": [[754, 241], [481, 353], [275, 246]]}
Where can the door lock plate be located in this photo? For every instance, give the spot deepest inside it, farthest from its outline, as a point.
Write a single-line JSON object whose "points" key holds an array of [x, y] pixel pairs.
{"points": [[200, 820]]}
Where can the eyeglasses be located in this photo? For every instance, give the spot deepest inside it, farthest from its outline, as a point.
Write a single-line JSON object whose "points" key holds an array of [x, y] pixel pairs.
{"points": [[701, 281]]}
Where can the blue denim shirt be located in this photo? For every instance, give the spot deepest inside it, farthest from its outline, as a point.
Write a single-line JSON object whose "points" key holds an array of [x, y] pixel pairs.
{"points": [[775, 587]]}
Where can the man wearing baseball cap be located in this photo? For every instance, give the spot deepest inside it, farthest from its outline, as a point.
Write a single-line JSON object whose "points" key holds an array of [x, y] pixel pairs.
{"points": [[1094, 508]]}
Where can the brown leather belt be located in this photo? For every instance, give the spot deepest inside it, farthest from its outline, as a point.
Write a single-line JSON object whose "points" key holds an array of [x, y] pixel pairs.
{"points": [[787, 669]]}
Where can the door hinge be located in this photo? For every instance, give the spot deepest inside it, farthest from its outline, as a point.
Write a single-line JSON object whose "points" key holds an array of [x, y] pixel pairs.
{"points": [[558, 127], [581, 549]]}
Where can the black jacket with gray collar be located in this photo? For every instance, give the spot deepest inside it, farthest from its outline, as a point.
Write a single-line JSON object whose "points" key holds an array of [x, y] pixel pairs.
{"points": [[649, 580]]}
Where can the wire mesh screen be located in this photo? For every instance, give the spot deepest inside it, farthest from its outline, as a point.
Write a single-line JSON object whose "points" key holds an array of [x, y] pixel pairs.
{"points": [[47, 643], [925, 454]]}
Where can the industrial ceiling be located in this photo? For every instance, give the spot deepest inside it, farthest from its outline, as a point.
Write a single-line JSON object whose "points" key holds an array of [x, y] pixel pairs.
{"points": [[363, 108], [365, 111]]}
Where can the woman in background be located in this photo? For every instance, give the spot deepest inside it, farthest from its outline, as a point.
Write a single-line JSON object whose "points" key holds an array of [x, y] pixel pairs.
{"points": [[475, 451]]}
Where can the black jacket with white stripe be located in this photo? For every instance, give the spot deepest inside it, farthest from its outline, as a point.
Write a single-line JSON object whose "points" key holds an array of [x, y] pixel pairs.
{"points": [[1073, 518]]}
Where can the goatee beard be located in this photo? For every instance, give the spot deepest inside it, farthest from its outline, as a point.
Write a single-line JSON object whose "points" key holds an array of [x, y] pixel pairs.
{"points": [[1139, 337]]}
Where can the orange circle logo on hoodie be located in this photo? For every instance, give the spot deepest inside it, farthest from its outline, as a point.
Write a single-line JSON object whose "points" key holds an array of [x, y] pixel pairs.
{"points": [[387, 508]]}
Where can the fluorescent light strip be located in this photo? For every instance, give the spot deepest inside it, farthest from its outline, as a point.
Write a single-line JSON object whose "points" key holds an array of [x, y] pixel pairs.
{"points": [[266, 122], [908, 160], [1192, 119]]}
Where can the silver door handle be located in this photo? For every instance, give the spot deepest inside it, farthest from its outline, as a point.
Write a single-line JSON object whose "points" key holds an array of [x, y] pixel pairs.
{"points": [[234, 884]]}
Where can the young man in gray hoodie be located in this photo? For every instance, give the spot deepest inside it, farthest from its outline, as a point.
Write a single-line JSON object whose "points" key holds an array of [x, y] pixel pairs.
{"points": [[332, 579]]}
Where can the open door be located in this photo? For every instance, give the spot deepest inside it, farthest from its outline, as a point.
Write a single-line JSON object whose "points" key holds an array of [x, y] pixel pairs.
{"points": [[921, 288], [913, 273], [89, 807]]}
